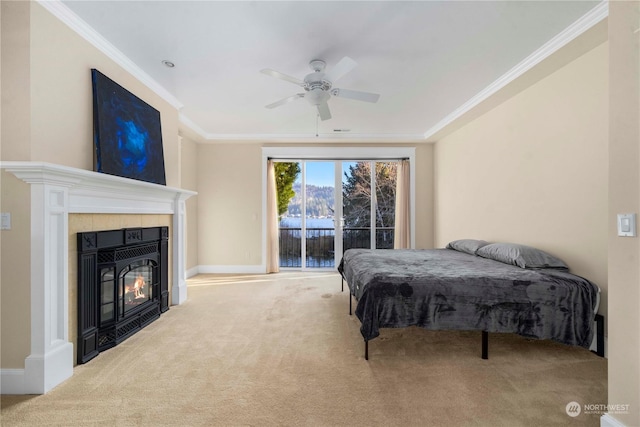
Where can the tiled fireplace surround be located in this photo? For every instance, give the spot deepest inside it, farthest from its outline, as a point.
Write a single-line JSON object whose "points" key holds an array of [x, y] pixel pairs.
{"points": [[65, 201]]}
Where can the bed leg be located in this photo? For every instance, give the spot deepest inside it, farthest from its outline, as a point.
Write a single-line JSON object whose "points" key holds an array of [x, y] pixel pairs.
{"points": [[350, 303], [600, 335], [485, 344], [342, 289], [366, 350]]}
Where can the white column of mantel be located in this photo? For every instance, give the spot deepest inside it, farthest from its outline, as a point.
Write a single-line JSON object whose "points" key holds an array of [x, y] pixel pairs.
{"points": [[179, 287], [51, 359]]}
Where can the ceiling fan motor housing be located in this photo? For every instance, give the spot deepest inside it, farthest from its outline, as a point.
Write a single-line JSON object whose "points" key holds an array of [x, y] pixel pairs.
{"points": [[316, 81]]}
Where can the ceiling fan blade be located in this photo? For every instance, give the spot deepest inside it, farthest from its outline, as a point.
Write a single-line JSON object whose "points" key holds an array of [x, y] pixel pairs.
{"points": [[279, 75], [355, 94], [323, 110], [345, 65], [285, 100]]}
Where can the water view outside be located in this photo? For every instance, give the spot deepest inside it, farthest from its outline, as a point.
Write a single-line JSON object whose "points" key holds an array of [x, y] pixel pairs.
{"points": [[296, 222], [320, 241]]}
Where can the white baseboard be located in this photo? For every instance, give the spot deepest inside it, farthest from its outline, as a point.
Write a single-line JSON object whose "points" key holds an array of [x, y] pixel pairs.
{"points": [[41, 373], [191, 272], [608, 421], [232, 269], [12, 381]]}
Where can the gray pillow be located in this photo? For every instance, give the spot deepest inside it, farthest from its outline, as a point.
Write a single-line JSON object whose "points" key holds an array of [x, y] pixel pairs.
{"points": [[520, 255], [469, 246]]}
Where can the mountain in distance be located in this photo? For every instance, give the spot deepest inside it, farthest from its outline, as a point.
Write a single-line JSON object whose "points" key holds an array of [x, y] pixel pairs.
{"points": [[320, 201]]}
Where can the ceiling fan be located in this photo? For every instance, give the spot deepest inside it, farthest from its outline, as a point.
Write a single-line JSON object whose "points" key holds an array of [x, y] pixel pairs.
{"points": [[318, 86]]}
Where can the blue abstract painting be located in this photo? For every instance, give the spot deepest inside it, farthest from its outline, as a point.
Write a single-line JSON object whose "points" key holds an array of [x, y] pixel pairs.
{"points": [[127, 133]]}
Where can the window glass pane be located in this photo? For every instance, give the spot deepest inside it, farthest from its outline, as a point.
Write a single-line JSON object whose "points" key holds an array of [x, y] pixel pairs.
{"points": [[290, 220], [320, 206], [385, 203], [356, 201]]}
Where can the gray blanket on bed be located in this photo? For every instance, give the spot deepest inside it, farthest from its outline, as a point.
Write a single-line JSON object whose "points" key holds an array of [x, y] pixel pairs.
{"points": [[449, 290]]}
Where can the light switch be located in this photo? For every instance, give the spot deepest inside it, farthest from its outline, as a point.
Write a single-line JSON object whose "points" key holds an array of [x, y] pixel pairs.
{"points": [[627, 225], [5, 221]]}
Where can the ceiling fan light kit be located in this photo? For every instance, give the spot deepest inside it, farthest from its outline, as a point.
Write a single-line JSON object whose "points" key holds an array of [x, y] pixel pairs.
{"points": [[317, 96], [318, 86]]}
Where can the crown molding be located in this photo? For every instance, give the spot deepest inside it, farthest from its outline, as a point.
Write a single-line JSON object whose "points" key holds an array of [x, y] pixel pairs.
{"points": [[73, 21], [591, 18], [191, 125], [307, 138]]}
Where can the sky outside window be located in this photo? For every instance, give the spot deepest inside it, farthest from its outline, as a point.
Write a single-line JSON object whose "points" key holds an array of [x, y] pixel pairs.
{"points": [[321, 174]]}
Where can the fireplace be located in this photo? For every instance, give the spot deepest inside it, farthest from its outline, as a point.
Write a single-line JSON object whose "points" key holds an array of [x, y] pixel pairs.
{"points": [[57, 192], [122, 285]]}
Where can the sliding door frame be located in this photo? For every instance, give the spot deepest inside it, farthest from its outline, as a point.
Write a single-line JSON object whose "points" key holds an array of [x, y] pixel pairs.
{"points": [[296, 154]]}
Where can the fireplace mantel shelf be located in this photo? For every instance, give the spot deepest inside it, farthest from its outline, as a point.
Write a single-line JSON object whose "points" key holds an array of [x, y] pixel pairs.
{"points": [[55, 192], [93, 192]]}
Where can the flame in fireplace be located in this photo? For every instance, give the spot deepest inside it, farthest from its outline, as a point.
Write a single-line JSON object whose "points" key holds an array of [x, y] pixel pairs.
{"points": [[138, 288]]}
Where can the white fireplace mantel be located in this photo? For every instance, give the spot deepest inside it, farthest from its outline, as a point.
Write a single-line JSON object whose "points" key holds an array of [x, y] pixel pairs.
{"points": [[56, 192]]}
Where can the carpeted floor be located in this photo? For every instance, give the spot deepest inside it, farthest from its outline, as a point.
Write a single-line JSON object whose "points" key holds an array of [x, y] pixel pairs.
{"points": [[271, 350]]}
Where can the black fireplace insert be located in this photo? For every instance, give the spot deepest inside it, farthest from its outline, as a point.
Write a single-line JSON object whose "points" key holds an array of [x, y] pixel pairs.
{"points": [[122, 285]]}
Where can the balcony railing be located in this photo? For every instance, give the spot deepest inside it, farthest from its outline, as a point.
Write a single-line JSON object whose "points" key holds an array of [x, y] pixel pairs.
{"points": [[321, 244]]}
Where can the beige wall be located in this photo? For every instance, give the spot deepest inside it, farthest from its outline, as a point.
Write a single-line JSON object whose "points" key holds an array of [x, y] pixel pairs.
{"points": [[230, 204], [15, 317], [624, 197], [534, 170], [14, 86], [424, 197], [15, 288], [189, 181]]}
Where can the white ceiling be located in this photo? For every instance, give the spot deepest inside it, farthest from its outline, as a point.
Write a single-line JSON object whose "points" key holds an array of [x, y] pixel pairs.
{"points": [[425, 58]]}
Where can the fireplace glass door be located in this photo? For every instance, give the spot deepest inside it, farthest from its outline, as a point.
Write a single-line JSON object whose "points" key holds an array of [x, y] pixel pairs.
{"points": [[135, 285], [107, 295]]}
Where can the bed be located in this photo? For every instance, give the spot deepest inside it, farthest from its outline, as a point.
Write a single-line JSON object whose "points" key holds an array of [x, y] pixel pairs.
{"points": [[471, 285]]}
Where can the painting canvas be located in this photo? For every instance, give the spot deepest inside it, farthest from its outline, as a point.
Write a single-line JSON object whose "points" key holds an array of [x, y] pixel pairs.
{"points": [[127, 133]]}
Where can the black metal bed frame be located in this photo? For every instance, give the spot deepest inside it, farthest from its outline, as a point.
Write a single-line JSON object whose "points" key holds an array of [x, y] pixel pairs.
{"points": [[598, 318]]}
